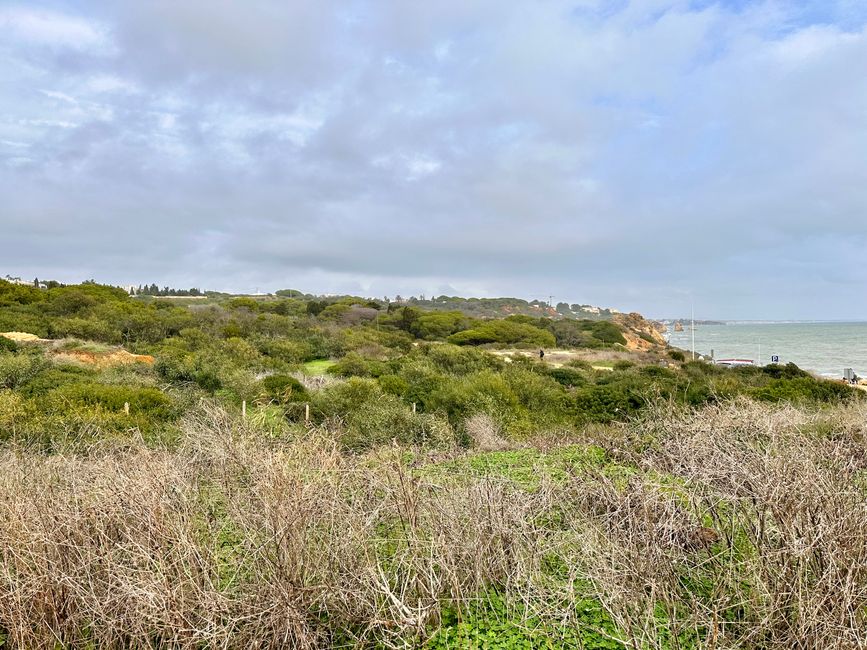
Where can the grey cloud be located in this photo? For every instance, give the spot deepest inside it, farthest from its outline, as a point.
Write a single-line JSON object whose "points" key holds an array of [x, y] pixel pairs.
{"points": [[627, 154]]}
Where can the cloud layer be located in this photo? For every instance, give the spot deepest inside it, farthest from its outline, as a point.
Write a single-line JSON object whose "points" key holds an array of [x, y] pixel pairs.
{"points": [[637, 154]]}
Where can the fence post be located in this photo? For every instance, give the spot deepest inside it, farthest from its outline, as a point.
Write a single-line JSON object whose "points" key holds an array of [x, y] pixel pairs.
{"points": [[244, 409], [307, 413], [126, 407], [413, 407]]}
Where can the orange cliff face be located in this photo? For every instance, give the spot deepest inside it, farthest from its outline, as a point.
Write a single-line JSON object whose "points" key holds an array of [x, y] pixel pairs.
{"points": [[640, 333]]}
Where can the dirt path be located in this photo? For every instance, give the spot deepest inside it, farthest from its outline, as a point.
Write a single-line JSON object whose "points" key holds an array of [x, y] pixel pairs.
{"points": [[600, 359]]}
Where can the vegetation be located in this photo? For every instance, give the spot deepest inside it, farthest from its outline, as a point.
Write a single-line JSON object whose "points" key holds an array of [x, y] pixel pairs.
{"points": [[308, 472], [502, 307]]}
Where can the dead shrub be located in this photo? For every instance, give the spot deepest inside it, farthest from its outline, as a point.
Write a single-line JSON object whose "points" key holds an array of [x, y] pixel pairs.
{"points": [[485, 433]]}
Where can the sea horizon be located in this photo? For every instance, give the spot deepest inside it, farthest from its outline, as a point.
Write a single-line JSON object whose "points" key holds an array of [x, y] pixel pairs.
{"points": [[824, 347]]}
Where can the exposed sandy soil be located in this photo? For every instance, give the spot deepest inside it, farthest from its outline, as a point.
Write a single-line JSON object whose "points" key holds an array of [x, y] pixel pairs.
{"points": [[101, 359], [21, 337], [600, 359], [117, 357]]}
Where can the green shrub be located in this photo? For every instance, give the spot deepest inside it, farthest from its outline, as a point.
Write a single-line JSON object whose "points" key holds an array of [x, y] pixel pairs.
{"points": [[8, 345], [385, 418], [290, 352], [658, 372], [607, 332], [606, 403], [284, 389], [802, 389], [394, 384], [423, 380], [20, 319], [91, 329], [18, 369], [538, 393], [341, 399], [789, 371], [354, 365], [315, 307], [504, 332], [567, 376], [460, 361], [677, 355], [480, 392], [54, 377], [19, 294], [151, 402], [180, 367], [434, 326], [373, 417]]}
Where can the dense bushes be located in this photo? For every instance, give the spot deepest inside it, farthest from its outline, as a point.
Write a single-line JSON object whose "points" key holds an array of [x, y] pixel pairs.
{"points": [[585, 333], [372, 417], [150, 402], [256, 350], [436, 326], [504, 332], [801, 389], [18, 369]]}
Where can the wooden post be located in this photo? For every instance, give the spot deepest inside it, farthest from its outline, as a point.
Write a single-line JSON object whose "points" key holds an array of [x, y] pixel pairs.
{"points": [[126, 407], [307, 413], [413, 407], [244, 409]]}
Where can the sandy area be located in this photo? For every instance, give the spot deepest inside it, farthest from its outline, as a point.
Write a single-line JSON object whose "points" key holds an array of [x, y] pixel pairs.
{"points": [[21, 337]]}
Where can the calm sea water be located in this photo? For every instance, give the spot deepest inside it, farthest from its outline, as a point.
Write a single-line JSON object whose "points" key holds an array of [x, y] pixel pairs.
{"points": [[824, 348]]}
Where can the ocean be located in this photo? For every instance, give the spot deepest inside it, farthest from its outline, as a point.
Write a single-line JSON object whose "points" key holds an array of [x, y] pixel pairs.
{"points": [[823, 348]]}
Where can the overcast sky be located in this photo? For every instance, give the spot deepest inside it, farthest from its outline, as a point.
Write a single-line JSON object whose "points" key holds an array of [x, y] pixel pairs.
{"points": [[638, 155]]}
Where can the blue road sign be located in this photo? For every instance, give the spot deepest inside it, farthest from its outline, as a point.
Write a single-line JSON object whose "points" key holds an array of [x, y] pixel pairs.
{"points": [[775, 359]]}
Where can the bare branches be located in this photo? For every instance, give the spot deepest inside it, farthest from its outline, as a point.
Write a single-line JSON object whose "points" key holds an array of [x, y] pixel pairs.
{"points": [[737, 526]]}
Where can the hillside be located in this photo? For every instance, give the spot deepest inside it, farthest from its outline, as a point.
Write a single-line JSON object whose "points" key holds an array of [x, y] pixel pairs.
{"points": [[498, 307]]}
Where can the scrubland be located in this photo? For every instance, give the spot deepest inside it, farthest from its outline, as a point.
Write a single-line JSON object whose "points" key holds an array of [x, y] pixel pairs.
{"points": [[353, 476], [738, 525]]}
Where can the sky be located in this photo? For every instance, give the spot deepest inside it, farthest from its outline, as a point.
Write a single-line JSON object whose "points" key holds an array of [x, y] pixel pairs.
{"points": [[647, 155]]}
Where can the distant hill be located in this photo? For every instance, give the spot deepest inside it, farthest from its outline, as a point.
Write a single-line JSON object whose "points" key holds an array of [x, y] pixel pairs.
{"points": [[502, 307]]}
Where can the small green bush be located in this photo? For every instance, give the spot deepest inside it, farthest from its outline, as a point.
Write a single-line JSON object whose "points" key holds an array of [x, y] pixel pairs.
{"points": [[18, 369], [283, 389], [355, 365], [54, 377], [567, 376], [607, 403], [151, 402], [480, 392], [460, 361], [393, 384], [8, 345]]}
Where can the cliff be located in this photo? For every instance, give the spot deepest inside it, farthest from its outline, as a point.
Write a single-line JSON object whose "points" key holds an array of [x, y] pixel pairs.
{"points": [[640, 333]]}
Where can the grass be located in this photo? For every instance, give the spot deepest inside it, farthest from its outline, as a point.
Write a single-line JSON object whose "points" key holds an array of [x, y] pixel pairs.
{"points": [[318, 367], [527, 467]]}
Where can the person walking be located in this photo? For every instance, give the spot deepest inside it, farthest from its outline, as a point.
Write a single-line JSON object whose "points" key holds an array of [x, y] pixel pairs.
{"points": [[541, 355]]}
